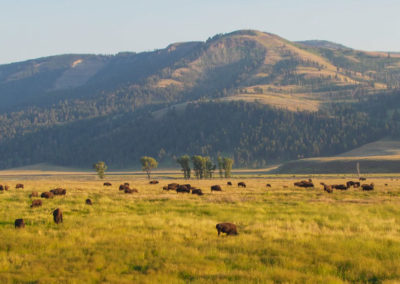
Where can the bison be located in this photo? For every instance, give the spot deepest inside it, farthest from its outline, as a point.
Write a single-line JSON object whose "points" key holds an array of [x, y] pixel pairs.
{"points": [[327, 188], [6, 187], [173, 186], [34, 194], [154, 182], [227, 228], [58, 216], [183, 188], [216, 188], [362, 178], [36, 203], [340, 186], [229, 183], [130, 190], [107, 184], [197, 191], [19, 223], [47, 195], [59, 191], [268, 185], [19, 185], [367, 187], [241, 184], [1, 188], [304, 183], [88, 202]]}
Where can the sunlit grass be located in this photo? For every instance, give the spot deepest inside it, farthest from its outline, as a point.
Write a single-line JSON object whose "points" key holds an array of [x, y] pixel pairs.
{"points": [[285, 234]]}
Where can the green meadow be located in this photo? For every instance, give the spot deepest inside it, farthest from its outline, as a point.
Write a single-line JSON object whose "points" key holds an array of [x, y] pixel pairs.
{"points": [[286, 234]]}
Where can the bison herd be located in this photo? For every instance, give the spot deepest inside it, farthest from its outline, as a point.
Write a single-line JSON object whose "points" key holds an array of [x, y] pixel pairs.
{"points": [[227, 228]]}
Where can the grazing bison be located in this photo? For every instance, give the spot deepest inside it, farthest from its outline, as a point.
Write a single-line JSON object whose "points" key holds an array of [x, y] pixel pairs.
{"points": [[36, 203], [59, 191], [6, 187], [19, 223], [58, 216], [107, 184], [19, 185], [154, 182], [216, 188], [130, 190], [304, 183], [362, 178], [47, 195], [340, 186], [34, 194], [1, 188], [367, 187], [227, 228], [241, 184], [197, 191], [229, 183], [88, 202], [173, 186], [268, 185], [183, 188]]}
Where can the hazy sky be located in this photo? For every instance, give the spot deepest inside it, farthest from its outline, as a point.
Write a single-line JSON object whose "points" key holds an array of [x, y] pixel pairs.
{"points": [[36, 28]]}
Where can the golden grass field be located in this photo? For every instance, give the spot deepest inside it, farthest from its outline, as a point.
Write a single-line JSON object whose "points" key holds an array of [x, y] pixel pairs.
{"points": [[286, 234]]}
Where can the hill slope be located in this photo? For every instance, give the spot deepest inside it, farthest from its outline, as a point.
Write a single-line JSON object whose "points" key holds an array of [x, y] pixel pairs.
{"points": [[74, 109]]}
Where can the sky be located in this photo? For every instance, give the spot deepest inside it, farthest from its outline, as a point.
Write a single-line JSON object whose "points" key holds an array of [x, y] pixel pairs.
{"points": [[37, 28]]}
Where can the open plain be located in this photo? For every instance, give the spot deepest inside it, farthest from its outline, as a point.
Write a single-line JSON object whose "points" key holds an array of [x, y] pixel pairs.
{"points": [[286, 233]]}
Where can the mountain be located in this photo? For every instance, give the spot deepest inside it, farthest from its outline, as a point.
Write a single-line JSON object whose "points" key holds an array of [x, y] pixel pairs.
{"points": [[323, 44], [247, 94]]}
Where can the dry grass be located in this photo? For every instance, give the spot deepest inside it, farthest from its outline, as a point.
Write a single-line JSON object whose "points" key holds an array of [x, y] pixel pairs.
{"points": [[287, 234]]}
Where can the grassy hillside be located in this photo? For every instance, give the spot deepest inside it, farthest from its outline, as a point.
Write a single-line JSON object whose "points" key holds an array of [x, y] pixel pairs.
{"points": [[286, 234]]}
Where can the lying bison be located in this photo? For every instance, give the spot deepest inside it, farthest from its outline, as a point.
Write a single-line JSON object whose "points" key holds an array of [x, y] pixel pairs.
{"points": [[216, 188], [59, 191], [340, 186], [304, 183], [47, 195], [183, 189], [19, 223], [107, 184], [19, 185], [197, 191], [58, 216], [36, 203], [268, 185], [130, 190], [241, 184], [88, 202], [229, 183], [154, 182], [227, 228], [368, 187]]}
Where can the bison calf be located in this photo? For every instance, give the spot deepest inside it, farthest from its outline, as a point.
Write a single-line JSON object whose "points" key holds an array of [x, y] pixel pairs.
{"points": [[58, 216], [19, 223], [36, 203], [227, 228], [19, 185]]}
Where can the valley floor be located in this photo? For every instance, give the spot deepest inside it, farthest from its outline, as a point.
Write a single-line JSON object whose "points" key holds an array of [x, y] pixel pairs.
{"points": [[286, 234]]}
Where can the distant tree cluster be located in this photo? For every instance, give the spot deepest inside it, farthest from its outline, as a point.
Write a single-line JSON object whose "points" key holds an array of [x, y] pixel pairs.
{"points": [[204, 167]]}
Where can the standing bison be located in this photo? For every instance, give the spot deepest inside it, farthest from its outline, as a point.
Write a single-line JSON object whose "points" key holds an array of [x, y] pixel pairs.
{"points": [[36, 203], [58, 216], [241, 184], [227, 228], [19, 223], [216, 188]]}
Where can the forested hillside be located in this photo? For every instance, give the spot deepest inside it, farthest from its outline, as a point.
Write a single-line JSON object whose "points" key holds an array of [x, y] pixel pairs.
{"points": [[246, 94]]}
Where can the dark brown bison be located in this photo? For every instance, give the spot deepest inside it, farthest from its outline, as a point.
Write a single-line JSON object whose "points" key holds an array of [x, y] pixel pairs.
{"points": [[229, 183], [47, 195], [268, 185], [154, 182], [58, 216], [1, 188], [227, 228], [216, 188], [183, 188], [173, 186], [197, 191], [107, 184], [130, 190], [354, 184], [304, 183], [34, 194], [241, 184], [6, 187], [59, 191], [19, 185], [19, 223], [36, 203], [340, 186], [188, 186], [367, 187], [88, 202], [362, 178]]}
